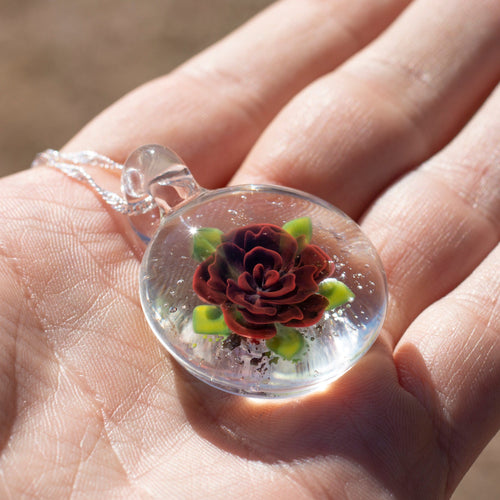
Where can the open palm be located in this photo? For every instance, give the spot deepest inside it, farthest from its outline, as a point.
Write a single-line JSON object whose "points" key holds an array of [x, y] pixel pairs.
{"points": [[403, 134]]}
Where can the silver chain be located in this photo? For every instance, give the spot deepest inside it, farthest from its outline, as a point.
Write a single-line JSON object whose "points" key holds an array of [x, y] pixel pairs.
{"points": [[73, 165]]}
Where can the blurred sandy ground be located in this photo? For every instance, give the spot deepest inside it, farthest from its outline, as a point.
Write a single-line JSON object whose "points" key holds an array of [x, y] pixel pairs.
{"points": [[63, 61]]}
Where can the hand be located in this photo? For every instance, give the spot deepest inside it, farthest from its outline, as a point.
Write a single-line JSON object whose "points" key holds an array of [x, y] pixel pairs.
{"points": [[398, 127]]}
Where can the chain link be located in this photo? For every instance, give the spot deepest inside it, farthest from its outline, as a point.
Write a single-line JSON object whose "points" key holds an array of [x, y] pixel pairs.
{"points": [[73, 165]]}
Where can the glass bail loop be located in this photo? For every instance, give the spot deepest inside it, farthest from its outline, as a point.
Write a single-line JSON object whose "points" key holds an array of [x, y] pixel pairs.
{"points": [[157, 173]]}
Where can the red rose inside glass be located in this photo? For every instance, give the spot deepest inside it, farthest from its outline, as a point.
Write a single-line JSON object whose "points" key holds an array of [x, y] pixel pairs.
{"points": [[261, 275]]}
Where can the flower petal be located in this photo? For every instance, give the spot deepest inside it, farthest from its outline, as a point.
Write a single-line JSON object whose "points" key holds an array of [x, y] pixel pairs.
{"points": [[304, 287], [244, 237], [201, 278], [284, 286], [239, 325], [260, 255], [246, 282], [312, 309], [263, 235], [304, 279], [258, 274], [249, 302], [232, 256], [289, 313], [280, 316], [288, 250], [271, 279], [313, 255]]}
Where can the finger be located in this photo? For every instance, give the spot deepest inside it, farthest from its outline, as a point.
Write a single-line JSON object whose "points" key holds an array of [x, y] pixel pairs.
{"points": [[450, 360], [436, 225], [8, 328], [387, 109], [212, 109]]}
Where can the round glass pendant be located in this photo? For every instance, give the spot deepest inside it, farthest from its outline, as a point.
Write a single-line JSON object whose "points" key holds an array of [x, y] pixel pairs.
{"points": [[257, 290]]}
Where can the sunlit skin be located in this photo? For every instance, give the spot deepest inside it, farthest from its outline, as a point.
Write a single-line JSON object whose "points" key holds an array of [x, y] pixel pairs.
{"points": [[399, 128]]}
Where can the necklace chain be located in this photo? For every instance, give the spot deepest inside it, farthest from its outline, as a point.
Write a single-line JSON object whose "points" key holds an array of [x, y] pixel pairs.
{"points": [[74, 166]]}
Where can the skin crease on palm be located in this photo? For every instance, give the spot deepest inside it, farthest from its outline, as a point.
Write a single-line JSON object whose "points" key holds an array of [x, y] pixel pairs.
{"points": [[388, 110]]}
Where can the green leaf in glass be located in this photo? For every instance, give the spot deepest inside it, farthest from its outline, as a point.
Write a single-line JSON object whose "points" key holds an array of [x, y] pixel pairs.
{"points": [[287, 343], [205, 241], [336, 292], [209, 320], [300, 227]]}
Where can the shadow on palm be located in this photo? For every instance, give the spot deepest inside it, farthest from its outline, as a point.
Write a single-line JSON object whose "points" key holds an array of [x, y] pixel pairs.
{"points": [[363, 418]]}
